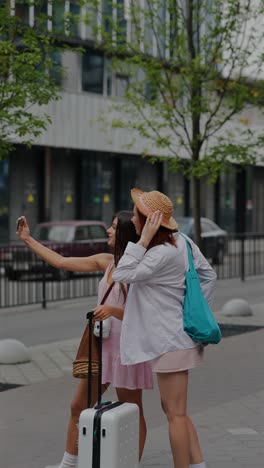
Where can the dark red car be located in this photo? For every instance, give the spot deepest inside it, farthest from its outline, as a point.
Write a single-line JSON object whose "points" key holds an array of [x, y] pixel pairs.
{"points": [[69, 238]]}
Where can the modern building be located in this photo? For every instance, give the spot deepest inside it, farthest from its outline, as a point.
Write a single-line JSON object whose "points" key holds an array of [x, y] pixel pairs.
{"points": [[79, 170]]}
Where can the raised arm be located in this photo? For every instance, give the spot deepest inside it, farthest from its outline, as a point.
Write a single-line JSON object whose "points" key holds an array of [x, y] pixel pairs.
{"points": [[137, 264], [97, 262]]}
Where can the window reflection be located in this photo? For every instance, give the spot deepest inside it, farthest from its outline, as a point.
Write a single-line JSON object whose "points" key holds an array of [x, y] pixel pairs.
{"points": [[93, 72]]}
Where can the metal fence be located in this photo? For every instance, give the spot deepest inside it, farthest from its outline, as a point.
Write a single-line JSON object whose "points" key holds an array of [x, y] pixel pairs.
{"points": [[24, 279], [244, 256]]}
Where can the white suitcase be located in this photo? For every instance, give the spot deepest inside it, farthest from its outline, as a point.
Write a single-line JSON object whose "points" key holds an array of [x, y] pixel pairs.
{"points": [[108, 433]]}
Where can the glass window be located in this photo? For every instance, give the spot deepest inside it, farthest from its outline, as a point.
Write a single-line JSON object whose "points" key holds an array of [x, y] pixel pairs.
{"points": [[249, 199], [4, 203], [22, 11], [128, 175], [55, 233], [121, 22], [176, 193], [108, 76], [93, 72], [97, 232], [161, 29], [55, 71], [82, 233], [41, 13], [58, 16], [227, 208], [74, 18], [107, 9], [98, 187]]}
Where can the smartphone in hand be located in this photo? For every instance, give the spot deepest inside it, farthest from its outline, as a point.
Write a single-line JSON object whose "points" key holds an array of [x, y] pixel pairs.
{"points": [[18, 222]]}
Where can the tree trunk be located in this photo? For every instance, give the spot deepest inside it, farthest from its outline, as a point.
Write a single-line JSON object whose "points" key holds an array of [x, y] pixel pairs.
{"points": [[197, 210]]}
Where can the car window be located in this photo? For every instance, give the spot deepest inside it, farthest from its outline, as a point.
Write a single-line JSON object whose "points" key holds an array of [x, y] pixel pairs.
{"points": [[207, 226], [54, 233], [82, 233], [41, 233], [97, 232]]}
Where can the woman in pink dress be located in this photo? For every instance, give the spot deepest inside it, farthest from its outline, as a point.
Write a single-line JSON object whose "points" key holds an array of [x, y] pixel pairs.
{"points": [[129, 381]]}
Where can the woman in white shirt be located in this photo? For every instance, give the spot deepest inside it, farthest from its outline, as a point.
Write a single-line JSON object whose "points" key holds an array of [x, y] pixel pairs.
{"points": [[153, 321]]}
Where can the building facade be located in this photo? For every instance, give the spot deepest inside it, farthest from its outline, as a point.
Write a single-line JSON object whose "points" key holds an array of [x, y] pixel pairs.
{"points": [[79, 169]]}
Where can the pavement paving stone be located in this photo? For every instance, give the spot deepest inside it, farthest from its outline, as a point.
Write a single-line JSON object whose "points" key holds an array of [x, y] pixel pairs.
{"points": [[231, 433], [48, 361]]}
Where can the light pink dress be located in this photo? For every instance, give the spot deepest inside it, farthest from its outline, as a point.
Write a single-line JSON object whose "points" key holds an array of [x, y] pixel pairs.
{"points": [[136, 376]]}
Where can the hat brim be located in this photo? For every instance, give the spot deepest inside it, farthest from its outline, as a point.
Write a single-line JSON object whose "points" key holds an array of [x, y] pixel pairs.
{"points": [[136, 197]]}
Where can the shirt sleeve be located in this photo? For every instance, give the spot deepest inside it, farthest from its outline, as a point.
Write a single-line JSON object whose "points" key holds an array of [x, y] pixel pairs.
{"points": [[206, 274], [138, 264]]}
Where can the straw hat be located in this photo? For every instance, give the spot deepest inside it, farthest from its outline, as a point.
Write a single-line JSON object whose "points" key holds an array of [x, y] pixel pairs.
{"points": [[148, 202]]}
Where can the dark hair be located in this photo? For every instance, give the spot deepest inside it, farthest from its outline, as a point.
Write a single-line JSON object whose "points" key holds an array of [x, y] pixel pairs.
{"points": [[162, 235], [125, 232]]}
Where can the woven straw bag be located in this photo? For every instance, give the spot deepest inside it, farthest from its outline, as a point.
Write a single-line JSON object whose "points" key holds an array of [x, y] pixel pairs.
{"points": [[80, 368], [81, 363]]}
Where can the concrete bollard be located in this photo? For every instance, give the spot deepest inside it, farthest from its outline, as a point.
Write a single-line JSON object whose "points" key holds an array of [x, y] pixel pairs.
{"points": [[238, 308], [13, 352]]}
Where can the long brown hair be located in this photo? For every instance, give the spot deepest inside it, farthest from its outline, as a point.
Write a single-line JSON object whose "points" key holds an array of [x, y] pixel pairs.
{"points": [[162, 235], [125, 232]]}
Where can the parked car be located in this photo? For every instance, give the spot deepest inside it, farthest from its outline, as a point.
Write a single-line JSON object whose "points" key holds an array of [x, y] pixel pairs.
{"points": [[69, 238], [214, 239]]}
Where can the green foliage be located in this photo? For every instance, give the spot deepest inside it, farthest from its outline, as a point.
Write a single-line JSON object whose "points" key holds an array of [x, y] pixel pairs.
{"points": [[29, 74], [193, 68]]}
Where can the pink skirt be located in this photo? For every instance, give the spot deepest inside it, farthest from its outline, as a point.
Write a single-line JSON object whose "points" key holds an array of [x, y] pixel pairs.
{"points": [[136, 376], [176, 361]]}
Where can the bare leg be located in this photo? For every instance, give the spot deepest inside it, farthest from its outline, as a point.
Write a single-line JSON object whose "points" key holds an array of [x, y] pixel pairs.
{"points": [[196, 455], [135, 396], [78, 404], [183, 437]]}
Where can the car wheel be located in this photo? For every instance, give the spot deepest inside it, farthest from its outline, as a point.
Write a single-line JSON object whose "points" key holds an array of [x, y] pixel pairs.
{"points": [[219, 257]]}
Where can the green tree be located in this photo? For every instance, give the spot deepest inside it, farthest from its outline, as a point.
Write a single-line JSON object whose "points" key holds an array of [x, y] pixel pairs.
{"points": [[30, 70], [193, 68]]}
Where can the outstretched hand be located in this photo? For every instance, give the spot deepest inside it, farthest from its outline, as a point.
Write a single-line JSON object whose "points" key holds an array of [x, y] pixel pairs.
{"points": [[23, 231], [152, 225]]}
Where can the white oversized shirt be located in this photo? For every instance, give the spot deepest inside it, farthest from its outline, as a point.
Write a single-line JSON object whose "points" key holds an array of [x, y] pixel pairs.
{"points": [[153, 318]]}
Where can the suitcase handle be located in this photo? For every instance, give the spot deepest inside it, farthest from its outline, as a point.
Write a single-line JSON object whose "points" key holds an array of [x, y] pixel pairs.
{"points": [[90, 316]]}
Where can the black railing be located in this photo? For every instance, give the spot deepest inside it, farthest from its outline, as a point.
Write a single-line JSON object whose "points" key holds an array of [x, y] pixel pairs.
{"points": [[244, 256], [24, 279]]}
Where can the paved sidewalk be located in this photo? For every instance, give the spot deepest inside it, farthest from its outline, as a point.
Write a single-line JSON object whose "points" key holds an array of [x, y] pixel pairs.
{"points": [[226, 398], [54, 360], [48, 362]]}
